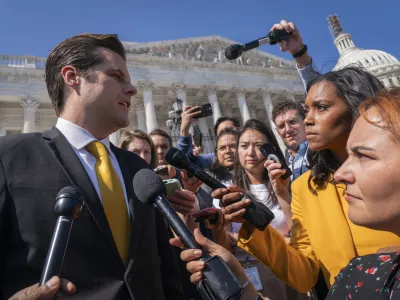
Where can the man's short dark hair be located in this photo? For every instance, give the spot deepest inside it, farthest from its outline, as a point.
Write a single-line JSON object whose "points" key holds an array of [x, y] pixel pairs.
{"points": [[80, 52], [161, 132], [235, 122], [285, 105]]}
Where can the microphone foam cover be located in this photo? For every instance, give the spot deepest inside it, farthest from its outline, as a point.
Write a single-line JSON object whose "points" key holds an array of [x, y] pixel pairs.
{"points": [[71, 192], [147, 185], [233, 51], [177, 158]]}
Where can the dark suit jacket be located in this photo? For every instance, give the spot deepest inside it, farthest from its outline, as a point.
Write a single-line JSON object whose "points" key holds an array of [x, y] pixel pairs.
{"points": [[33, 169]]}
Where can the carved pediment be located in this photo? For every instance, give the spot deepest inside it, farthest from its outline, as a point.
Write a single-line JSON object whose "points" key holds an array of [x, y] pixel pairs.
{"points": [[206, 49]]}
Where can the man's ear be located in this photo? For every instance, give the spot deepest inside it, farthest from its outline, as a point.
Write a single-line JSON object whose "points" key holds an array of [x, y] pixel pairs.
{"points": [[71, 76]]}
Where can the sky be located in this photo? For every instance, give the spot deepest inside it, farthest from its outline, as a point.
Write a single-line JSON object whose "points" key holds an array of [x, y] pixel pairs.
{"points": [[33, 27]]}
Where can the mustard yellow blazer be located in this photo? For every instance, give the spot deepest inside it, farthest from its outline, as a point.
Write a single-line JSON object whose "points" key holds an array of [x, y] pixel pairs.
{"points": [[322, 238]]}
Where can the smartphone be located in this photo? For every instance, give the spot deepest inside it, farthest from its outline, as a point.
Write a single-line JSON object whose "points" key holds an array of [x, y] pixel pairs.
{"points": [[269, 152], [210, 214], [197, 136], [206, 111], [162, 170], [172, 185]]}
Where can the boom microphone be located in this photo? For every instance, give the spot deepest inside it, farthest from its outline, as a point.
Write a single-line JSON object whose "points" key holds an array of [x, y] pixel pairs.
{"points": [[67, 207], [273, 37], [256, 214], [219, 283]]}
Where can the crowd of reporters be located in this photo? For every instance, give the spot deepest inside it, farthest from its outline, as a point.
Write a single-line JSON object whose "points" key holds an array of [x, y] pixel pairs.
{"points": [[337, 215]]}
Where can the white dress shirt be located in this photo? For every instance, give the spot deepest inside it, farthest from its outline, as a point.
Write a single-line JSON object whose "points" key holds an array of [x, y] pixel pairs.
{"points": [[79, 138]]}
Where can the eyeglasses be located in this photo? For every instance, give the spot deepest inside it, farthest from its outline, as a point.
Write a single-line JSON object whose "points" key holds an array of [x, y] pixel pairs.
{"points": [[293, 123]]}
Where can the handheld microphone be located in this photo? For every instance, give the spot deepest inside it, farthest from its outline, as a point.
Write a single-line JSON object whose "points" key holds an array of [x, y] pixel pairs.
{"points": [[273, 37], [150, 189], [256, 214], [67, 207], [219, 283]]}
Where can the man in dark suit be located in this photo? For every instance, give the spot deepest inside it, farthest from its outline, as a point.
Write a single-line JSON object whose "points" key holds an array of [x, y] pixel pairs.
{"points": [[118, 248]]}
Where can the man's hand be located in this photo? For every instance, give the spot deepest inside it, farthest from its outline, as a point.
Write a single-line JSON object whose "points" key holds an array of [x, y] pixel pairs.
{"points": [[294, 43], [275, 172], [191, 184], [46, 291], [184, 202], [189, 112], [196, 267], [232, 203]]}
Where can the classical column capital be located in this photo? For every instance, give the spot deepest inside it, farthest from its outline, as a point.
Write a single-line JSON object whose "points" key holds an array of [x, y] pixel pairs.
{"points": [[145, 85], [210, 89], [30, 101], [178, 87], [239, 90], [264, 91]]}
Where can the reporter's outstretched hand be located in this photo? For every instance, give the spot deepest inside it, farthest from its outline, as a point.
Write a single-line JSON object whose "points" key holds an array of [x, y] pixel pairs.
{"points": [[232, 202], [196, 266], [46, 291]]}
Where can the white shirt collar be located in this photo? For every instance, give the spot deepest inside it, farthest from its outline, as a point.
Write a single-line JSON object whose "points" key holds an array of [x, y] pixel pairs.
{"points": [[78, 137]]}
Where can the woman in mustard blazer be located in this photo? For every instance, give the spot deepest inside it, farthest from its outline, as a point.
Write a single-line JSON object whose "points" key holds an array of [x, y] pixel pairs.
{"points": [[322, 238]]}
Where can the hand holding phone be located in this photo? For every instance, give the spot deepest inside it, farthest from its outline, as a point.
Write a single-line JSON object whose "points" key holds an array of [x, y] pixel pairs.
{"points": [[210, 214], [269, 152], [172, 185], [205, 111]]}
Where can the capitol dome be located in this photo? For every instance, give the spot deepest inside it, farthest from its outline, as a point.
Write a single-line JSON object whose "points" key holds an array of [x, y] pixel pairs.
{"points": [[379, 63]]}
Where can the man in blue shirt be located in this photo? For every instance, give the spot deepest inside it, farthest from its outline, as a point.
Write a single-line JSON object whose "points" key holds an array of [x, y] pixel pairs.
{"points": [[288, 117]]}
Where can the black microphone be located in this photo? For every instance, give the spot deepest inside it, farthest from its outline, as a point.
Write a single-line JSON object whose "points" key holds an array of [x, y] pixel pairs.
{"points": [[67, 207], [150, 189], [273, 37], [219, 283], [256, 214]]}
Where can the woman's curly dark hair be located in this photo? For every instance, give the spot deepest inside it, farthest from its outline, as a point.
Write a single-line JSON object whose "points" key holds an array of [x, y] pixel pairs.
{"points": [[353, 85]]}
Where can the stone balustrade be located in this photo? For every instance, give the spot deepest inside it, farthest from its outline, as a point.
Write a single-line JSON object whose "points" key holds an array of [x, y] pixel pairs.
{"points": [[26, 61]]}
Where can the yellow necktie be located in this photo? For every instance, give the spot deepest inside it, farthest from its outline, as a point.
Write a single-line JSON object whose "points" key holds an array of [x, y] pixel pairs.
{"points": [[113, 198]]}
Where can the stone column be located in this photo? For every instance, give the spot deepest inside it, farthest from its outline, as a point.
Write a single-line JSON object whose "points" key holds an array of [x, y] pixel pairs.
{"points": [[241, 99], [211, 91], [140, 116], [180, 90], [146, 86], [30, 105], [266, 94]]}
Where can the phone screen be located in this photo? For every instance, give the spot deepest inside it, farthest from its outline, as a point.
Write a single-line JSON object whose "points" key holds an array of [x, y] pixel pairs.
{"points": [[197, 136]]}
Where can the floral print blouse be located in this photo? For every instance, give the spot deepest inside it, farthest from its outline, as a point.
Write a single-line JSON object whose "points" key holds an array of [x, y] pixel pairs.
{"points": [[370, 277]]}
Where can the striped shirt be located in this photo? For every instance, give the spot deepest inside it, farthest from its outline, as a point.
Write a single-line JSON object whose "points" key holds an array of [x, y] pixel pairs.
{"points": [[298, 163]]}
